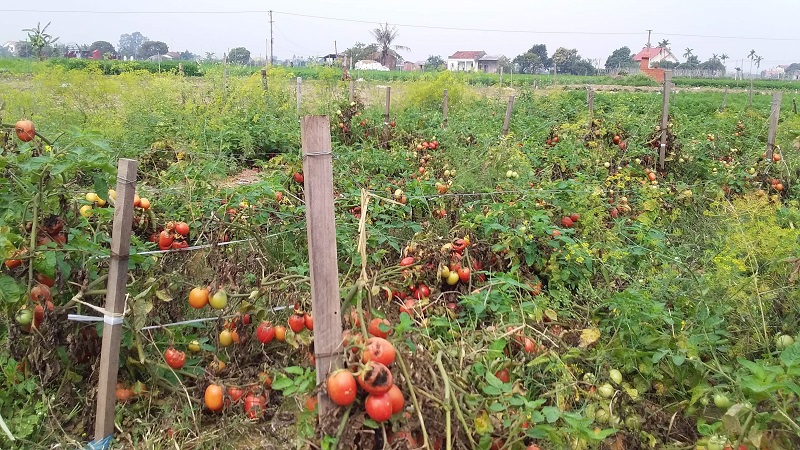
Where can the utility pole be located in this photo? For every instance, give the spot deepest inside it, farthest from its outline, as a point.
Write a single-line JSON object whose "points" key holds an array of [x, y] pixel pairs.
{"points": [[271, 39], [648, 38]]}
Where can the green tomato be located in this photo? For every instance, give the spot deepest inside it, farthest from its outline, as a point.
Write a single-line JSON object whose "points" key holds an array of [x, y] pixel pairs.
{"points": [[722, 401], [783, 341], [605, 390], [24, 317], [615, 376], [219, 299]]}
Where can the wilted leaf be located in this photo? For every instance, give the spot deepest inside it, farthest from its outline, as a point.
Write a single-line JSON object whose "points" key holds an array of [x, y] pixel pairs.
{"points": [[163, 295], [140, 307], [550, 314], [588, 337], [483, 424]]}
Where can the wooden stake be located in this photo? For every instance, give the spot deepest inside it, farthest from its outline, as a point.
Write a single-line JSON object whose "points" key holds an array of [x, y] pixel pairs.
{"points": [[115, 298], [264, 79], [590, 101], [315, 134], [299, 94], [750, 95], [386, 117], [507, 122], [774, 114], [794, 105], [180, 68], [724, 100], [444, 110], [665, 119], [352, 91]]}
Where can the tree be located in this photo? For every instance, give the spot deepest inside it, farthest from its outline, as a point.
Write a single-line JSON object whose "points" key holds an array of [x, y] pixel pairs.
{"points": [[724, 57], [714, 65], [692, 62], [103, 46], [360, 51], [504, 63], [24, 49], [186, 55], [669, 65], [384, 37], [620, 58], [435, 62], [239, 55], [567, 60], [152, 48], [4, 53], [129, 44], [688, 53], [39, 39], [528, 62], [210, 57], [534, 59], [664, 44]]}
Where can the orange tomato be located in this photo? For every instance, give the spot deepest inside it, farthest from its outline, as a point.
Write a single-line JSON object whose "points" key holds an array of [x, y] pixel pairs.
{"points": [[214, 397]]}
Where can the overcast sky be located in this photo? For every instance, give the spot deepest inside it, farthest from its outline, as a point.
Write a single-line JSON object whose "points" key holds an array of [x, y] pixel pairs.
{"points": [[416, 21]]}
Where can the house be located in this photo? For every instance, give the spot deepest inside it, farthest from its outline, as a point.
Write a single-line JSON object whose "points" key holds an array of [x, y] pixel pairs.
{"points": [[174, 55], [464, 61], [410, 66], [160, 58], [332, 58], [775, 73], [655, 55], [11, 46], [369, 64], [489, 64]]}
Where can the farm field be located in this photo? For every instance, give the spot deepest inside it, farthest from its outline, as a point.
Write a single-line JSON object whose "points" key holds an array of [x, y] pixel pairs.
{"points": [[562, 290]]}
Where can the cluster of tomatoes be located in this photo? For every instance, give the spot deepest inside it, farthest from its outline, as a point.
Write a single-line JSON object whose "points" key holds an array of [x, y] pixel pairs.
{"points": [[551, 141], [41, 298], [252, 398], [174, 236], [570, 220], [368, 368], [618, 141]]}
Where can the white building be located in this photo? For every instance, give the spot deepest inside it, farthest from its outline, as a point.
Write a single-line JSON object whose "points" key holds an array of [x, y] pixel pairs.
{"points": [[368, 64], [11, 46], [465, 61]]}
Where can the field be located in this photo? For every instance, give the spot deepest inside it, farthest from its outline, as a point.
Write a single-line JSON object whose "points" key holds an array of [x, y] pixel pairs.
{"points": [[563, 291]]}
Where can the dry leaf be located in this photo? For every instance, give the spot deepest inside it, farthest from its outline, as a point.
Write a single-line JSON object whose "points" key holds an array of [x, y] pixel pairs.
{"points": [[588, 337]]}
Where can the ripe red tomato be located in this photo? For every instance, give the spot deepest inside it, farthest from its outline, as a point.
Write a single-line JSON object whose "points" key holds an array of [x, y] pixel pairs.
{"points": [[617, 138], [44, 279], [566, 222], [575, 217], [25, 130], [178, 244], [254, 405], [175, 358], [235, 394], [298, 177], [265, 332], [182, 228], [40, 293], [342, 387], [375, 378], [378, 350], [165, 239], [503, 375], [374, 328], [463, 274], [396, 396], [422, 291], [407, 261], [379, 407], [309, 321], [297, 322]]}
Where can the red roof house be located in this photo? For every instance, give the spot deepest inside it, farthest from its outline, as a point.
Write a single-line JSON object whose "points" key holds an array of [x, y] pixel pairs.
{"points": [[655, 54], [464, 61]]}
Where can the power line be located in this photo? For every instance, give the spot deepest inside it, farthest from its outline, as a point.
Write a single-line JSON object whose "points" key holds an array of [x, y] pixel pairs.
{"points": [[432, 27]]}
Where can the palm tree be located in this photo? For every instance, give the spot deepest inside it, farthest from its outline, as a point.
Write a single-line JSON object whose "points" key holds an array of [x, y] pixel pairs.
{"points": [[384, 36], [738, 72], [752, 56], [724, 57], [38, 39], [664, 44], [714, 56], [688, 53]]}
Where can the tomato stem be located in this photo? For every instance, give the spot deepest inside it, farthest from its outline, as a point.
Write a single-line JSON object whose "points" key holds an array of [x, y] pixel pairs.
{"points": [[447, 406], [425, 439]]}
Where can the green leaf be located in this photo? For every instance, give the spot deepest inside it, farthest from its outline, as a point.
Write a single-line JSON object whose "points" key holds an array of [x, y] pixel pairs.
{"points": [[281, 382], [491, 390], [294, 370], [678, 359], [497, 407], [100, 185], [791, 355], [10, 291], [493, 380], [551, 413]]}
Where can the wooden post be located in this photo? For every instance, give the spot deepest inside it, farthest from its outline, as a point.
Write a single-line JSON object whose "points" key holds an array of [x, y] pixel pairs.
{"points": [[264, 79], [501, 80], [662, 154], [299, 94], [180, 68], [590, 102], [352, 91], [115, 298], [724, 100], [794, 105], [774, 114], [386, 117], [315, 134], [750, 95], [509, 108], [444, 110]]}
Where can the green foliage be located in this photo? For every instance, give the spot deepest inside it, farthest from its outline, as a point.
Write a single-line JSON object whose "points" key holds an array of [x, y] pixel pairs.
{"points": [[427, 93], [21, 404]]}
